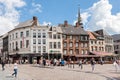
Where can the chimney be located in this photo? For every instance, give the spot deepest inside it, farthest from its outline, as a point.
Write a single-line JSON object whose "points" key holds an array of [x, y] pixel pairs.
{"points": [[34, 20], [66, 23], [77, 24]]}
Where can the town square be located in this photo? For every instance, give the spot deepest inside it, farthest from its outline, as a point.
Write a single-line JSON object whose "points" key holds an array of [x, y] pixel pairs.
{"points": [[59, 40]]}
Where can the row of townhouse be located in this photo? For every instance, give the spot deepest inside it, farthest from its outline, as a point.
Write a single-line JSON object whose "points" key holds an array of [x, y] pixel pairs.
{"points": [[116, 39], [29, 40]]}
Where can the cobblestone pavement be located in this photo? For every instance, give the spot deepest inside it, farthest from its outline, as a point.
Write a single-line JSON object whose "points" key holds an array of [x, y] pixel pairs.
{"points": [[36, 72]]}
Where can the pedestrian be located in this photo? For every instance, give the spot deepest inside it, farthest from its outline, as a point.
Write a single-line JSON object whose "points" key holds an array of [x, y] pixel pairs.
{"points": [[44, 62], [3, 65], [115, 64], [101, 61], [92, 62], [69, 62], [15, 69], [80, 64]]}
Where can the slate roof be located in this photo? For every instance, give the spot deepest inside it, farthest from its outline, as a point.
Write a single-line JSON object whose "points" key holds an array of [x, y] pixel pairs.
{"points": [[102, 32], [72, 30], [26, 23], [116, 37]]}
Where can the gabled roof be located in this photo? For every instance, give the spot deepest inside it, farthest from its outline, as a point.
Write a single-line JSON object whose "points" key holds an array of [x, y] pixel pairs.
{"points": [[102, 32], [116, 37], [91, 36], [57, 29], [27, 23], [73, 30]]}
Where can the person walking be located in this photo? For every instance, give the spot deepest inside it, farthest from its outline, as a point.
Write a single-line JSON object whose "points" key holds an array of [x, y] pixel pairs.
{"points": [[92, 62], [115, 63], [69, 62], [80, 64], [3, 65], [15, 69]]}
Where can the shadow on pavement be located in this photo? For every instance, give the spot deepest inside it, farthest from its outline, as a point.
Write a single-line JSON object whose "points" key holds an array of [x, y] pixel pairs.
{"points": [[48, 67], [92, 72]]}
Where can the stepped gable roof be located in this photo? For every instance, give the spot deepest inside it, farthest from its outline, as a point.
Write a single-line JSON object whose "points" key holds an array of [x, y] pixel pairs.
{"points": [[116, 37], [73, 30]]}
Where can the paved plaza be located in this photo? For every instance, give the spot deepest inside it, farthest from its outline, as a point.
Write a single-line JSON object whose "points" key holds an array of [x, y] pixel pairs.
{"points": [[36, 72]]}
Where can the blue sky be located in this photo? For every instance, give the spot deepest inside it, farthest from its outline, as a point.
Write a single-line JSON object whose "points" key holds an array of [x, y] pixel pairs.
{"points": [[96, 14]]}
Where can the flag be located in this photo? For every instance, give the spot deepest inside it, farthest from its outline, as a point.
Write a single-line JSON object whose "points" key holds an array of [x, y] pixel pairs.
{"points": [[22, 41]]}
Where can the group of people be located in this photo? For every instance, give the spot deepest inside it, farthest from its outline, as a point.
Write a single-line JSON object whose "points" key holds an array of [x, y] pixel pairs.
{"points": [[52, 62], [80, 63]]}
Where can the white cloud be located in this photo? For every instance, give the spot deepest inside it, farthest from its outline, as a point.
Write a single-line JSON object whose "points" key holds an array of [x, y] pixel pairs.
{"points": [[36, 8], [46, 23], [9, 16], [100, 17]]}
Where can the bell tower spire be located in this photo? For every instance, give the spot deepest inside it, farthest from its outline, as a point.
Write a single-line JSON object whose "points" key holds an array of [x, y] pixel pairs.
{"points": [[79, 17]]}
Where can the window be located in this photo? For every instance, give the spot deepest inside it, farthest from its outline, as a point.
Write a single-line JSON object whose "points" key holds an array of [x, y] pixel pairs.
{"points": [[82, 51], [12, 36], [54, 36], [21, 34], [27, 43], [39, 35], [44, 35], [34, 49], [50, 45], [44, 49], [65, 51], [34, 35], [20, 44], [16, 45], [71, 44], [77, 37], [58, 36], [39, 49], [13, 45], [91, 42], [76, 45], [71, 51], [77, 51], [81, 37], [59, 45], [86, 45], [70, 37], [16, 35], [10, 46], [55, 45], [86, 38], [27, 33], [64, 36], [92, 48], [95, 48], [82, 45], [65, 44], [50, 35], [86, 52], [39, 41], [44, 41], [34, 41]]}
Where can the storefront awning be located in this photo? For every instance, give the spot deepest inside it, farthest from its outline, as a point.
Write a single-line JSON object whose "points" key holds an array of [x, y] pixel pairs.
{"points": [[102, 54], [87, 56]]}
